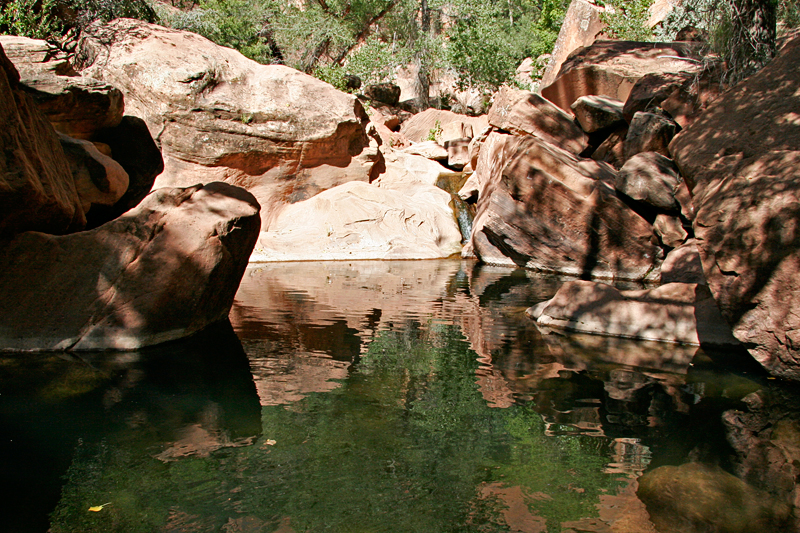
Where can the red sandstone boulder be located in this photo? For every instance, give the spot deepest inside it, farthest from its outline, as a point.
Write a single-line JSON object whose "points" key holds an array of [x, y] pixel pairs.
{"points": [[647, 94], [130, 145], [582, 24], [612, 68], [683, 265], [99, 179], [682, 313], [401, 215], [652, 178], [75, 105], [35, 56], [37, 191], [670, 230], [526, 113], [162, 271], [612, 149], [649, 132], [743, 157], [217, 115], [543, 208], [595, 112]]}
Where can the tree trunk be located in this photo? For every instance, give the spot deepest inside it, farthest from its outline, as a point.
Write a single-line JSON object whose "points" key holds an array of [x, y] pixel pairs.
{"points": [[754, 32], [423, 77]]}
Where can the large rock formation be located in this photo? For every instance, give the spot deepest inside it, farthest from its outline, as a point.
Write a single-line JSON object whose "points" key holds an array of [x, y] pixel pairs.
{"points": [[217, 115], [163, 271], [37, 191], [742, 158], [543, 208], [611, 68]]}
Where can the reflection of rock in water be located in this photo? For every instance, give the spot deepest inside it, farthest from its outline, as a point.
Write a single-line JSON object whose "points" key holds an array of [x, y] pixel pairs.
{"points": [[285, 378], [766, 438], [185, 397]]}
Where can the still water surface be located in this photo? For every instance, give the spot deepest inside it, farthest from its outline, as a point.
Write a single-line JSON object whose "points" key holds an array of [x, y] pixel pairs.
{"points": [[360, 397]]}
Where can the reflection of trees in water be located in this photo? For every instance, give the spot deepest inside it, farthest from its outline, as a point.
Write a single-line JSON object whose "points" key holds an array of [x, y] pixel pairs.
{"points": [[406, 443]]}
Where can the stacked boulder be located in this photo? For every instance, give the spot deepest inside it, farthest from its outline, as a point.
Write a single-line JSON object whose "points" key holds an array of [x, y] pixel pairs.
{"points": [[164, 270], [713, 176], [586, 189], [293, 141]]}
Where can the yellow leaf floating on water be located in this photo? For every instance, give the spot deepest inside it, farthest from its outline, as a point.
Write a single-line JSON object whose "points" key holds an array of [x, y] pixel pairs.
{"points": [[98, 508]]}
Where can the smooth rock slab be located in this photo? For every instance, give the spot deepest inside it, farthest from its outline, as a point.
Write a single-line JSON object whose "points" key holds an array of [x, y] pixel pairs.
{"points": [[357, 220], [162, 271], [683, 313]]}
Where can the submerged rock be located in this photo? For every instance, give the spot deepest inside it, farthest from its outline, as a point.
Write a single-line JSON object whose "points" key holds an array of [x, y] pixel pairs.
{"points": [[765, 435], [695, 498], [162, 271]]}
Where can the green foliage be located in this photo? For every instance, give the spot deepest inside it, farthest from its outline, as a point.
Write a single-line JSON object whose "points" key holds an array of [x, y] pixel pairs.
{"points": [[239, 24], [376, 61], [435, 132], [333, 74], [30, 18], [789, 14], [627, 19], [744, 45], [49, 19], [488, 40], [482, 42]]}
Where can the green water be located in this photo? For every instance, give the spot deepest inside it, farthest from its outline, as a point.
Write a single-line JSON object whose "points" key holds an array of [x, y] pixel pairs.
{"points": [[358, 397]]}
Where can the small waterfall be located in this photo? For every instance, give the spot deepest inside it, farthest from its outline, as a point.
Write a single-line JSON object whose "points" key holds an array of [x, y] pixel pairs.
{"points": [[464, 212]]}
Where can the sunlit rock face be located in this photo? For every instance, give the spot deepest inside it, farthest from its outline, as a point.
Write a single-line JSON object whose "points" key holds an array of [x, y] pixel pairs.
{"points": [[218, 116], [742, 158], [77, 106], [163, 271], [612, 68], [526, 113]]}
